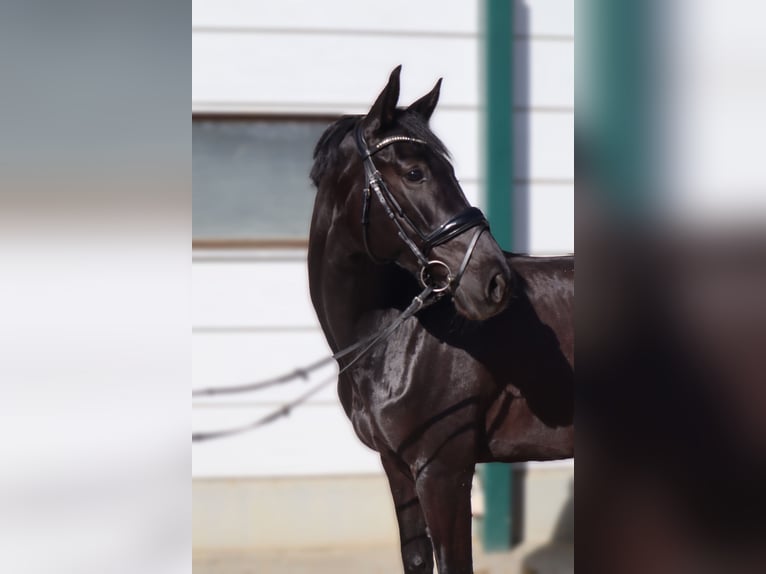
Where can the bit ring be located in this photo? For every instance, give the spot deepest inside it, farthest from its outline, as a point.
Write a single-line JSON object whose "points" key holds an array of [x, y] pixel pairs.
{"points": [[426, 276]]}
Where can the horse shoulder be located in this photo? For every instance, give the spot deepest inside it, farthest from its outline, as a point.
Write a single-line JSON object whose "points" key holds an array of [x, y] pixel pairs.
{"points": [[548, 285]]}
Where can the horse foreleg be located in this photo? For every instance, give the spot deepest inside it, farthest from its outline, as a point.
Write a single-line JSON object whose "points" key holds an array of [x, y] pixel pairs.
{"points": [[445, 496], [417, 551]]}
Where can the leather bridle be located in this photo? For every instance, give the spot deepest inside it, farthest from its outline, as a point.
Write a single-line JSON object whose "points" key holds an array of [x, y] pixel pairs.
{"points": [[469, 218]]}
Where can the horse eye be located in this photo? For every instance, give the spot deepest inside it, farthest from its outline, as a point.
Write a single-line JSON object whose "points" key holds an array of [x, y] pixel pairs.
{"points": [[415, 175]]}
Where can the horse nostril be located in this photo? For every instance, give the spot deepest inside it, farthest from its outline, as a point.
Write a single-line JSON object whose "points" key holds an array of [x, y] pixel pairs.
{"points": [[496, 290]]}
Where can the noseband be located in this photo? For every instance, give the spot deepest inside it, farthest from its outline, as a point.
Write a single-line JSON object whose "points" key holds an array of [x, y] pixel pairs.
{"points": [[467, 219]]}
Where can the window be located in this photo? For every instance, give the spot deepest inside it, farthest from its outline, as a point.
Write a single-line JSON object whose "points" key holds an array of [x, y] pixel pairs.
{"points": [[251, 183]]}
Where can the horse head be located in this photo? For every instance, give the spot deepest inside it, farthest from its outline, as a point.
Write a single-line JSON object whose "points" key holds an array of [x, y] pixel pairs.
{"points": [[395, 193]]}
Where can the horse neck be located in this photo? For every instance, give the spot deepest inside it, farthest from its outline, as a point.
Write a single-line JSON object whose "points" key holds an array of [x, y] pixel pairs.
{"points": [[349, 291]]}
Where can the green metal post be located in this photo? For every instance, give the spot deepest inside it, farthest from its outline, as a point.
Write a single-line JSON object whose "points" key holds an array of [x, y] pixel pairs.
{"points": [[499, 118], [497, 478], [620, 89]]}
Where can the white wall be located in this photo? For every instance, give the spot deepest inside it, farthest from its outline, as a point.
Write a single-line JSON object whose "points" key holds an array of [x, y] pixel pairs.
{"points": [[252, 319], [251, 316], [544, 124]]}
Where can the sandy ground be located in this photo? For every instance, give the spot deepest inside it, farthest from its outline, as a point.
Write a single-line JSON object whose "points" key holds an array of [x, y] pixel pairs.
{"points": [[525, 559]]}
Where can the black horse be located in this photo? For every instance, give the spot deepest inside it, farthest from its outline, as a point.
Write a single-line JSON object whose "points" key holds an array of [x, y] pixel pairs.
{"points": [[485, 373]]}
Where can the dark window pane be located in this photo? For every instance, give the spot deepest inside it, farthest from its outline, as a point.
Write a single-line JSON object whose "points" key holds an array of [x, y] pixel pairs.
{"points": [[251, 178]]}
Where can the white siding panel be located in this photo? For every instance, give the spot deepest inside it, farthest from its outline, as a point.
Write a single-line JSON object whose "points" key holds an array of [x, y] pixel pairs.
{"points": [[531, 17], [400, 16], [227, 358], [331, 73], [544, 146], [543, 73], [551, 219], [460, 131], [312, 440], [544, 17], [474, 193], [258, 294]]}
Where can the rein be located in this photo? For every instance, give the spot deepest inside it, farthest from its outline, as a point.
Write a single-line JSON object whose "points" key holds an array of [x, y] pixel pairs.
{"points": [[420, 301]]}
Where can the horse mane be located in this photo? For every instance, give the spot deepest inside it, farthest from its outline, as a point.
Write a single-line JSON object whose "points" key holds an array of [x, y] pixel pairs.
{"points": [[326, 151], [327, 148]]}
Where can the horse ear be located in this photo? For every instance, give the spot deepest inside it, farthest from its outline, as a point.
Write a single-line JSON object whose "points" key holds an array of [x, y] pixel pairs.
{"points": [[425, 106], [381, 114]]}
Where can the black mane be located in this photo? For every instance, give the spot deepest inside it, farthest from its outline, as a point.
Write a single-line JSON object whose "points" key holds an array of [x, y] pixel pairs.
{"points": [[326, 151]]}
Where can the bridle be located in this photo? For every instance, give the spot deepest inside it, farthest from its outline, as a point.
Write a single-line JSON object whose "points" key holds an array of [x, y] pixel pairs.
{"points": [[469, 218]]}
